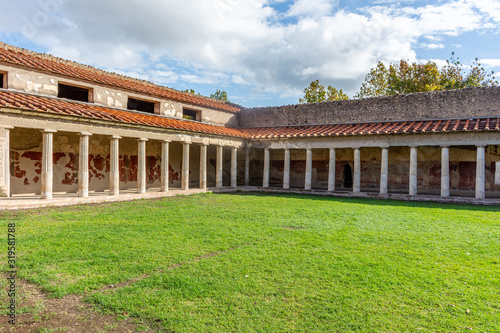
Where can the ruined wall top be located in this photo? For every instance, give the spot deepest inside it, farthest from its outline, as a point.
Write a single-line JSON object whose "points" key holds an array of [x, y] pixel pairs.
{"points": [[473, 102]]}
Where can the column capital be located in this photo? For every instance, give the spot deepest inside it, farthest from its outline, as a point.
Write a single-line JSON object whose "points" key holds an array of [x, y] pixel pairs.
{"points": [[204, 144], [115, 137], [48, 131], [481, 145], [166, 140], [7, 127], [84, 134], [384, 147], [413, 146], [186, 142], [444, 146], [356, 147], [142, 139]]}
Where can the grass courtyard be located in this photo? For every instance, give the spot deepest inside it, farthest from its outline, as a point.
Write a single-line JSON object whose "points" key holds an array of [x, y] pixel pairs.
{"points": [[270, 263]]}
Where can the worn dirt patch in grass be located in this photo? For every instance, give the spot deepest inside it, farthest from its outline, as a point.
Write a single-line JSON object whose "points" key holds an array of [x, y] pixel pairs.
{"points": [[39, 313], [145, 276]]}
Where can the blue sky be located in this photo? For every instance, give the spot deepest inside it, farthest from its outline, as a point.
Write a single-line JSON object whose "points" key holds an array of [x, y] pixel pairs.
{"points": [[262, 52]]}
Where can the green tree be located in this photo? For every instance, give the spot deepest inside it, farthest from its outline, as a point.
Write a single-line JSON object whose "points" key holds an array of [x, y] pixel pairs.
{"points": [[405, 77], [191, 91], [221, 95], [316, 93]]}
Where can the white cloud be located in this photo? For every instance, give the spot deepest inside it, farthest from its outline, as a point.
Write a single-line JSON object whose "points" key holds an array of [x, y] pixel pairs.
{"points": [[490, 8], [237, 79], [490, 62], [432, 46], [314, 8], [244, 42]]}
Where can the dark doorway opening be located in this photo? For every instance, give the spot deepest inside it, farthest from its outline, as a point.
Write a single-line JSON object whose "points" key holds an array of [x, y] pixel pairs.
{"points": [[347, 176]]}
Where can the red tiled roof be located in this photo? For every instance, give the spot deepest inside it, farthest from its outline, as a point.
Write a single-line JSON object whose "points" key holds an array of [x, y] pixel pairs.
{"points": [[17, 56], [63, 107], [394, 127]]}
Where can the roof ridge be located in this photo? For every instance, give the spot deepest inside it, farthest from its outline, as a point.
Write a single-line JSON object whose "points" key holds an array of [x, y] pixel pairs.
{"points": [[59, 60]]}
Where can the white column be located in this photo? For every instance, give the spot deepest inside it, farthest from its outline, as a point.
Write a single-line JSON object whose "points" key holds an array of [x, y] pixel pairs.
{"points": [[384, 171], [356, 185], [445, 171], [218, 165], [265, 181], [114, 170], [5, 160], [185, 166], [234, 167], [83, 166], [141, 168], [47, 164], [480, 172], [286, 170], [331, 171], [247, 166], [308, 181], [413, 170], [203, 166], [164, 165]]}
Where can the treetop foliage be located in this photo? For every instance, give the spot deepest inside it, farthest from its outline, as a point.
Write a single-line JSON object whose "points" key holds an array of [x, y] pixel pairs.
{"points": [[221, 95], [316, 93], [405, 77]]}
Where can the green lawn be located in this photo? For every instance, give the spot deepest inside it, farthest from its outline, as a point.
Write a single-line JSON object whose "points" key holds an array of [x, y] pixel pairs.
{"points": [[279, 263]]}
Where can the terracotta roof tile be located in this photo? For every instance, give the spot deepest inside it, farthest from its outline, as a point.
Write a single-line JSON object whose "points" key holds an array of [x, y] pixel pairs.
{"points": [[64, 107], [394, 127], [17, 56], [49, 105]]}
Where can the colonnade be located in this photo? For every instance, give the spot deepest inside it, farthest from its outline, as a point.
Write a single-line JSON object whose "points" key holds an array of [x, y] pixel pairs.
{"points": [[384, 170], [114, 172], [47, 165]]}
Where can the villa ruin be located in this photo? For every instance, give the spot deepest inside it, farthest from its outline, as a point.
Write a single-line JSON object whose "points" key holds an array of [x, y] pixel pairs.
{"points": [[71, 128]]}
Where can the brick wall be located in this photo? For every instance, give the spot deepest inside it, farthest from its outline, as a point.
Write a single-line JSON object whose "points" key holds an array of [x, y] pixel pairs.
{"points": [[477, 102]]}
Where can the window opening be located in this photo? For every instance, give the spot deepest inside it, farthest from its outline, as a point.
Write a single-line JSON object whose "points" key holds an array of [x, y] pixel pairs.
{"points": [[144, 106], [190, 114], [74, 93]]}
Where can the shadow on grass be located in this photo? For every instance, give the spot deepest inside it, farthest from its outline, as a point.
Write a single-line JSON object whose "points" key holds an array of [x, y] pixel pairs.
{"points": [[373, 201], [363, 201]]}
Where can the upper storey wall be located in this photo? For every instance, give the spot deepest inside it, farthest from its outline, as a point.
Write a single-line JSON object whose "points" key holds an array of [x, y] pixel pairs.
{"points": [[43, 83], [477, 102]]}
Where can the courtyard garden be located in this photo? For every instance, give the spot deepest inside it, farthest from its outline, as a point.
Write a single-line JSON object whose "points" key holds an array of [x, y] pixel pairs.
{"points": [[268, 263]]}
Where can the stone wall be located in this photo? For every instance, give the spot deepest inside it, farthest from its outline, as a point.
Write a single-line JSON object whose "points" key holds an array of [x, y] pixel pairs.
{"points": [[477, 102]]}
